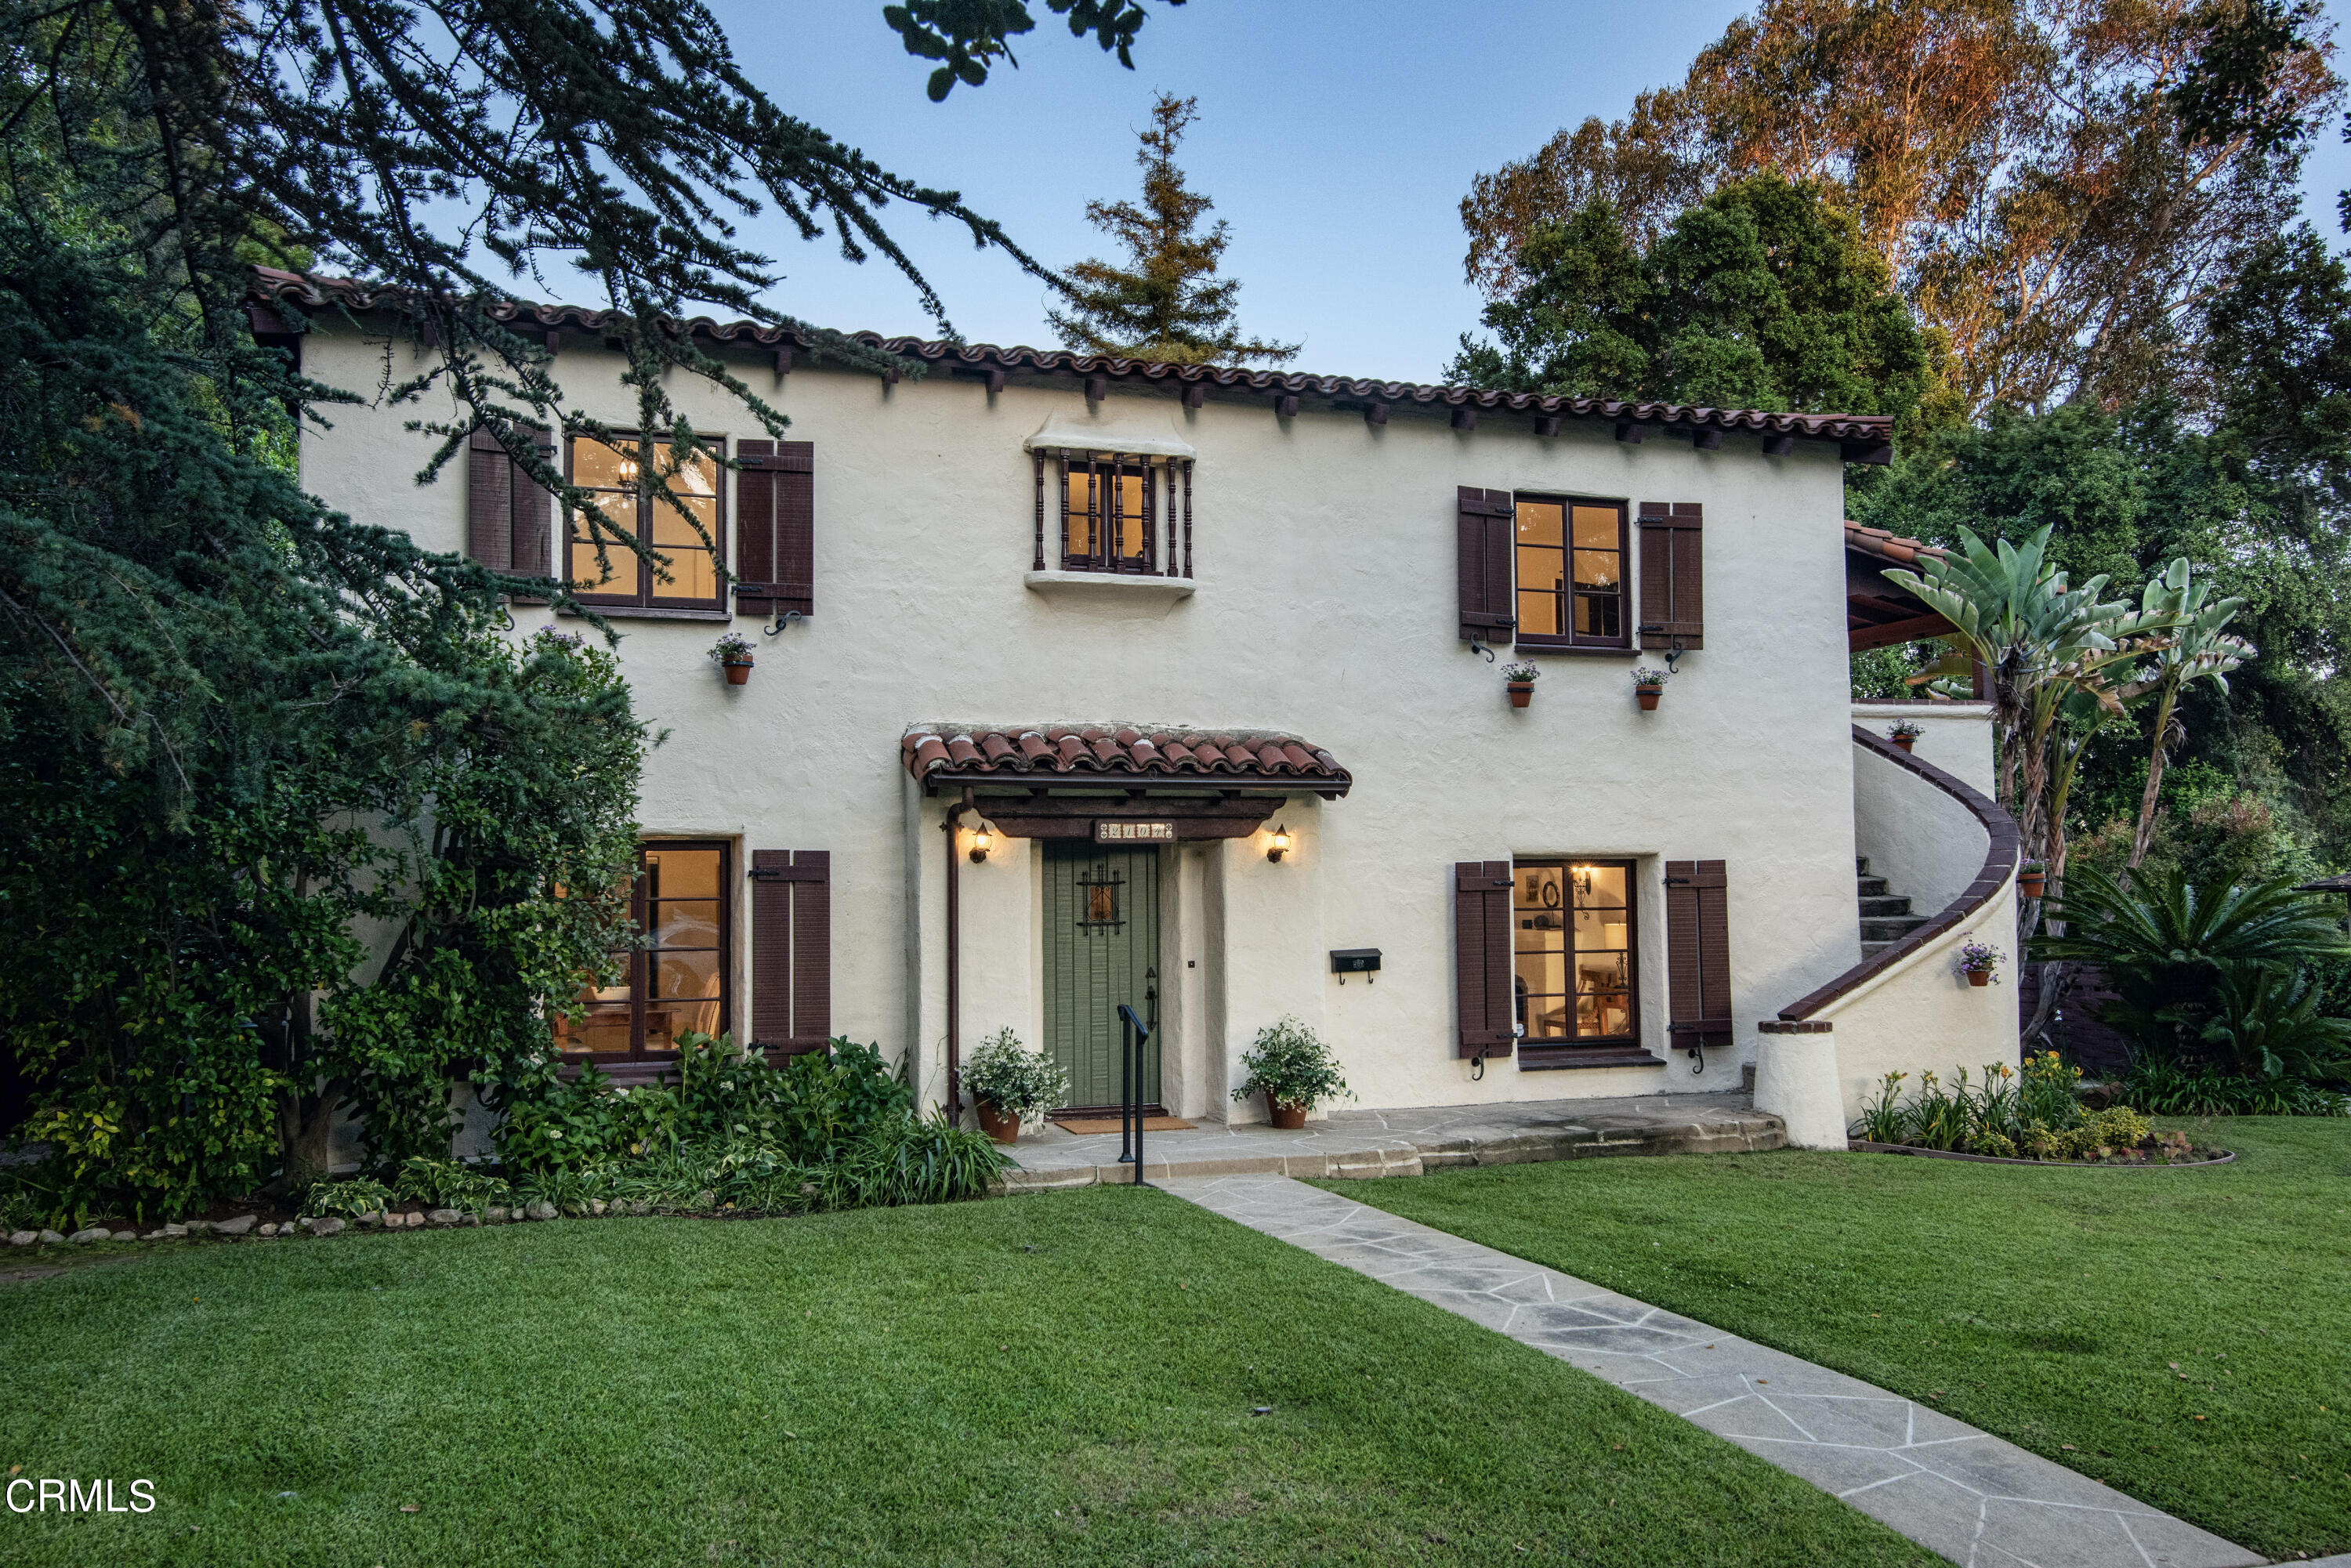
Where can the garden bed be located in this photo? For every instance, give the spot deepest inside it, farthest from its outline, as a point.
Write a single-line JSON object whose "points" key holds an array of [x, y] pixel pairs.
{"points": [[2196, 1157]]}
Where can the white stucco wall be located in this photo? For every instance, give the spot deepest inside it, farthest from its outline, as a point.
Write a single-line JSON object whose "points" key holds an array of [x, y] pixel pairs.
{"points": [[1923, 1015], [1324, 605], [1955, 737], [1921, 841]]}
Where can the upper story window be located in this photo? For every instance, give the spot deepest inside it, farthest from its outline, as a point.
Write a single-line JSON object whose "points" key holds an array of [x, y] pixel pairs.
{"points": [[1570, 573], [1113, 512], [689, 579]]}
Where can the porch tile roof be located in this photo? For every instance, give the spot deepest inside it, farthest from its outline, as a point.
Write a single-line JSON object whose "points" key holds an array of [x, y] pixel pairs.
{"points": [[961, 751], [1887, 545]]}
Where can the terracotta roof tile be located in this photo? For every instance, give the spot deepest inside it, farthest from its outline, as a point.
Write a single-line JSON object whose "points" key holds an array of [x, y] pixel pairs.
{"points": [[1885, 545], [969, 751], [308, 293]]}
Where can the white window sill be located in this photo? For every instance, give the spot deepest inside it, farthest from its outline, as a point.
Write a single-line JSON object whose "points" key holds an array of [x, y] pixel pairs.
{"points": [[1112, 584]]}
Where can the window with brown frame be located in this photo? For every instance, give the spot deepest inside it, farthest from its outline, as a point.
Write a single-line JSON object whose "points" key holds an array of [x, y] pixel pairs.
{"points": [[1570, 557], [1118, 512], [690, 560], [1575, 963], [678, 981]]}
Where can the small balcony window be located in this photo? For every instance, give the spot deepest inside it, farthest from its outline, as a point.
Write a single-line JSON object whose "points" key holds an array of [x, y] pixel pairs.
{"points": [[1113, 512]]}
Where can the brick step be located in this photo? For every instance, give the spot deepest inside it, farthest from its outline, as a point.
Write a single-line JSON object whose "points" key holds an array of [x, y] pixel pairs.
{"points": [[1886, 903]]}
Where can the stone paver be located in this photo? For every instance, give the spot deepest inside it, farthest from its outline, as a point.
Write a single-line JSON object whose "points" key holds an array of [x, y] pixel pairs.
{"points": [[1971, 1497], [1351, 1142]]}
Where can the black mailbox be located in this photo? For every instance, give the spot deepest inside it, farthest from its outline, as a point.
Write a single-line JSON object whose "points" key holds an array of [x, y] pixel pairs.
{"points": [[1346, 961]]}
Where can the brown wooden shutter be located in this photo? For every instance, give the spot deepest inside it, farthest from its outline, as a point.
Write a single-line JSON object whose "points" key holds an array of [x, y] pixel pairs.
{"points": [[791, 950], [489, 502], [1697, 954], [1673, 575], [775, 508], [509, 517], [533, 552], [1489, 607], [1481, 957]]}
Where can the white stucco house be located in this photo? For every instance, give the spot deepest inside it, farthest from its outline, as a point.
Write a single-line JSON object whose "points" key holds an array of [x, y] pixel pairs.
{"points": [[1085, 681]]}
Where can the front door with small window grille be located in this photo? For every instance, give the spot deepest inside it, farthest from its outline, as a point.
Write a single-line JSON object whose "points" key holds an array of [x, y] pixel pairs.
{"points": [[1101, 948]]}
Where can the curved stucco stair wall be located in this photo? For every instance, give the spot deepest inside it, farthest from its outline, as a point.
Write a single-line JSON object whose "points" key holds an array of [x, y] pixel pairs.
{"points": [[1906, 1010]]}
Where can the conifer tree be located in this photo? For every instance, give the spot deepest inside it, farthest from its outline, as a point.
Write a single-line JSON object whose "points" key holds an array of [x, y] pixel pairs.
{"points": [[1166, 303]]}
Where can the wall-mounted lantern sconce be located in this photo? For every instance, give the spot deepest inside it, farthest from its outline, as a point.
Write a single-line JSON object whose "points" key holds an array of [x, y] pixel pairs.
{"points": [[1280, 845], [982, 840]]}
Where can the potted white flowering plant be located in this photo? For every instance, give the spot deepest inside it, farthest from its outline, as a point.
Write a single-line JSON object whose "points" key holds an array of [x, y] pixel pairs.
{"points": [[1295, 1071], [1648, 685], [1519, 680], [1009, 1084]]}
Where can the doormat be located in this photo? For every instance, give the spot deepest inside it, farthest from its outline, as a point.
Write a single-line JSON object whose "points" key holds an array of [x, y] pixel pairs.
{"points": [[1082, 1125]]}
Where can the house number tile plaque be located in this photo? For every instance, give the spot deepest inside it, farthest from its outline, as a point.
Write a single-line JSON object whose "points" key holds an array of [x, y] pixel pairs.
{"points": [[1107, 832]]}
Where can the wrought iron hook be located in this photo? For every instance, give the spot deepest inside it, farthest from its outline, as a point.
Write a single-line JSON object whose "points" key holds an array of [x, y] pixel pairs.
{"points": [[783, 619]]}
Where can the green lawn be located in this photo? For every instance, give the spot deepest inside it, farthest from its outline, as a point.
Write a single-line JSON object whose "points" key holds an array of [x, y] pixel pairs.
{"points": [[2047, 1306], [1065, 1379]]}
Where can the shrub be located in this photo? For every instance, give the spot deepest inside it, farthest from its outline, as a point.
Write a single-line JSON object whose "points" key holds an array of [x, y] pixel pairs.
{"points": [[1016, 1080], [2266, 1024], [2162, 1088], [350, 1199], [448, 1184], [1289, 1065], [2167, 947]]}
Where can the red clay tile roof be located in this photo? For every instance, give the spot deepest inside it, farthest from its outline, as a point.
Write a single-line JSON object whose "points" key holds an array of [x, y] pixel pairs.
{"points": [[1887, 545], [1042, 753], [308, 293]]}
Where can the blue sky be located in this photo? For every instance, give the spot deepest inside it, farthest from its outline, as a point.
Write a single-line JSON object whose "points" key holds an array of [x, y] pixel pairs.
{"points": [[1336, 136]]}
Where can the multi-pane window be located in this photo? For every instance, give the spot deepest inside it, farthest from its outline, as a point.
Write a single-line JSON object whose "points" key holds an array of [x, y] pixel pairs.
{"points": [[689, 559], [1118, 513], [1570, 573], [1573, 958], [678, 981]]}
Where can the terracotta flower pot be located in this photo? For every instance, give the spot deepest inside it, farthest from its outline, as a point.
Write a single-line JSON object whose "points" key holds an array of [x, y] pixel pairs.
{"points": [[1522, 692], [1978, 977], [738, 672], [2031, 883], [1648, 696], [1289, 1118], [1907, 742], [1001, 1126]]}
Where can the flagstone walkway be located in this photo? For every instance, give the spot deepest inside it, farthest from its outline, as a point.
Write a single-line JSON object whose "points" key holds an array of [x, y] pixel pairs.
{"points": [[1971, 1497]]}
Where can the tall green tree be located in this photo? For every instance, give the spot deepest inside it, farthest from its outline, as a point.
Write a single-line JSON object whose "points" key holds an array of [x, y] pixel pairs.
{"points": [[1163, 301], [239, 730], [1762, 296]]}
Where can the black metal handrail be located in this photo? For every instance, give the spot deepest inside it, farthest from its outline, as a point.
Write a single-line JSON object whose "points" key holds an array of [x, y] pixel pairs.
{"points": [[1134, 1034]]}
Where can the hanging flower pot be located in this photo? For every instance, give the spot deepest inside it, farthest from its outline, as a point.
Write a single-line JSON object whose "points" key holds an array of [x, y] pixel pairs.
{"points": [[1904, 734], [732, 655], [2032, 880], [1980, 962], [1648, 685], [1519, 680]]}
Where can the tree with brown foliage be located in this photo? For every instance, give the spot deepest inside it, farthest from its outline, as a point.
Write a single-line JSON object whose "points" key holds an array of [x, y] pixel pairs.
{"points": [[1164, 303], [2059, 186]]}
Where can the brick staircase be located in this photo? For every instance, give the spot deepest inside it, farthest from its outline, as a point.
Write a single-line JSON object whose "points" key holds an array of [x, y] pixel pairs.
{"points": [[1885, 917]]}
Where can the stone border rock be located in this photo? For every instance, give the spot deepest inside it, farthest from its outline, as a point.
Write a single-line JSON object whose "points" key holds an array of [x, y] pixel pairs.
{"points": [[1862, 1146]]}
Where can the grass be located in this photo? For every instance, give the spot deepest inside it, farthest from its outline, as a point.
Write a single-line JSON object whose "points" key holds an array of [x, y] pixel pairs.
{"points": [[1065, 1379], [2047, 1306]]}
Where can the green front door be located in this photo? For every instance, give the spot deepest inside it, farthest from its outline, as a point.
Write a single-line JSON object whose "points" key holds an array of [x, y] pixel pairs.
{"points": [[1101, 948]]}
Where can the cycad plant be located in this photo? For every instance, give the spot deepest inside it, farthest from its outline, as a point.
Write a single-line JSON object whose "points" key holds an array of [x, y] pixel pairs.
{"points": [[2185, 962]]}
